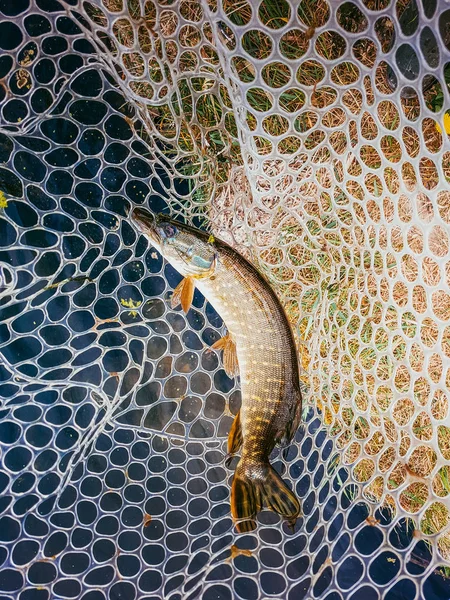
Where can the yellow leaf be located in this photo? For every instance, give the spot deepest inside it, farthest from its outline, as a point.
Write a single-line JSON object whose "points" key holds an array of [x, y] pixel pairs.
{"points": [[446, 124], [130, 303]]}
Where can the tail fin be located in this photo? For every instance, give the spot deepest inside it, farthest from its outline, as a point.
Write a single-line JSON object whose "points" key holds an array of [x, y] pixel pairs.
{"points": [[255, 486]]}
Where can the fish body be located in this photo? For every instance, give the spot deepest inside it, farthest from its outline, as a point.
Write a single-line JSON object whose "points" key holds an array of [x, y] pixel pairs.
{"points": [[260, 335], [265, 351]]}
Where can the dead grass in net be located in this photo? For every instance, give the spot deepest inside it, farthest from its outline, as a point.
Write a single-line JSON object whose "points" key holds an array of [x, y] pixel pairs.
{"points": [[124, 32], [414, 497], [375, 444], [389, 504], [168, 22], [353, 450], [403, 411], [311, 11], [387, 459], [422, 461], [422, 427], [113, 5], [435, 518], [441, 482], [134, 64], [441, 304], [314, 13], [191, 10], [431, 135], [390, 118], [95, 14], [365, 51], [239, 12], [444, 547], [439, 405], [375, 490], [444, 441], [364, 470]]}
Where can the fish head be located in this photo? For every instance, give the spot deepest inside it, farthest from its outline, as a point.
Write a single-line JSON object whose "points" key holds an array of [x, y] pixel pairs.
{"points": [[190, 251]]}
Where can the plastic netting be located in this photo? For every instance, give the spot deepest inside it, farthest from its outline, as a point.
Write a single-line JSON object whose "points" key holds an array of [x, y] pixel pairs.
{"points": [[314, 137]]}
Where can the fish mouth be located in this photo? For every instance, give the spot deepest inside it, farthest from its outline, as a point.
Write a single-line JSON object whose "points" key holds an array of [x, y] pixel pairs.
{"points": [[146, 223]]}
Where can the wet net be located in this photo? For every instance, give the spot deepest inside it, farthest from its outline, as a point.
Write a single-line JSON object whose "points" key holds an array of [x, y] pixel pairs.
{"points": [[312, 136]]}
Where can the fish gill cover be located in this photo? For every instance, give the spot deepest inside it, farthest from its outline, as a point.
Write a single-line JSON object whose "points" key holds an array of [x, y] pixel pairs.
{"points": [[312, 136]]}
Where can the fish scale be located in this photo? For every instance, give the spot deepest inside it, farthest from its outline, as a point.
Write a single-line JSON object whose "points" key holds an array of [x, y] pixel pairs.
{"points": [[265, 348]]}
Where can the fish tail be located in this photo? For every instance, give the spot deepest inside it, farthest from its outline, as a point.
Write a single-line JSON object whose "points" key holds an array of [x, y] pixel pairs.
{"points": [[256, 486]]}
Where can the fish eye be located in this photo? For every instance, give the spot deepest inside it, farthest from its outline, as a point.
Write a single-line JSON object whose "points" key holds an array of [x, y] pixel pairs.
{"points": [[190, 251], [170, 230]]}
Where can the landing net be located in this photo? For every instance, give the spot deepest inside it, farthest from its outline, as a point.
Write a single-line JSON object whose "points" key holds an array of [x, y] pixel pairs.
{"points": [[312, 136]]}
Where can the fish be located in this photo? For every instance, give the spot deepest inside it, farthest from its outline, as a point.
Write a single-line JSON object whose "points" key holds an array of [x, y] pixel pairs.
{"points": [[259, 346]]}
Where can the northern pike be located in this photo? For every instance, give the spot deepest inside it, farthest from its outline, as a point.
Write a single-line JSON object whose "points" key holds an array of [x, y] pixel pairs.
{"points": [[259, 346]]}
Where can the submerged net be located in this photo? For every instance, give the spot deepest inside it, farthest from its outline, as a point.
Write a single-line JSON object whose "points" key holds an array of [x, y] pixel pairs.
{"points": [[314, 137]]}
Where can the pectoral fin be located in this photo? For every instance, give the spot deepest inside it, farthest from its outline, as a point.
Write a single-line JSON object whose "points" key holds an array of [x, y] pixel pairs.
{"points": [[235, 435], [230, 360], [183, 294]]}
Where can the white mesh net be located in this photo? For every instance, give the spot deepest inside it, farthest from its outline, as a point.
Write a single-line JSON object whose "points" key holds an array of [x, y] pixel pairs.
{"points": [[315, 138]]}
